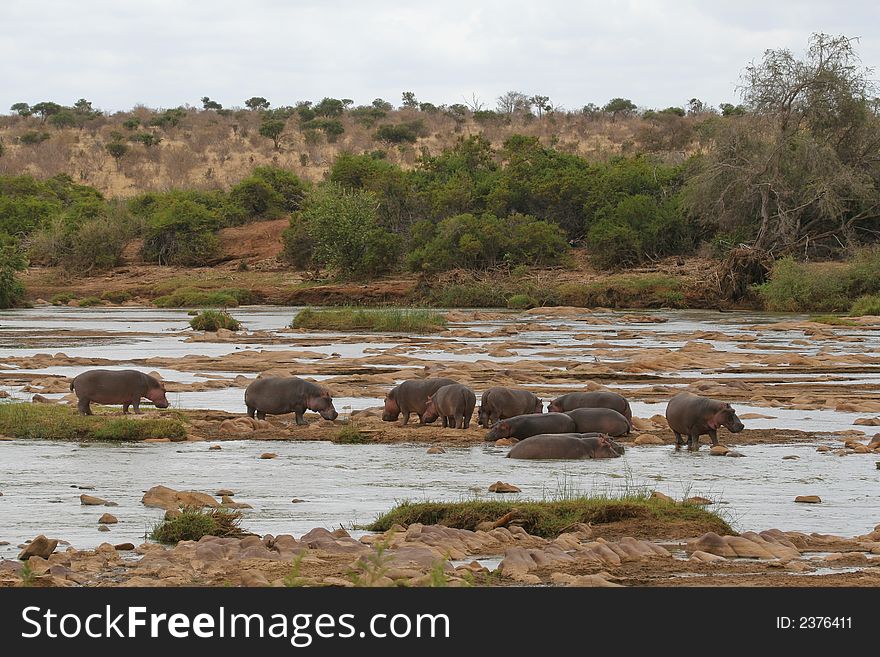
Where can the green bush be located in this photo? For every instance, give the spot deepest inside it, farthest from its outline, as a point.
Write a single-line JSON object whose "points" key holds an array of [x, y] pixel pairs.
{"points": [[11, 261], [256, 199], [521, 302], [369, 319], [400, 133], [471, 242], [194, 523], [214, 320], [286, 184], [797, 287], [89, 301], [32, 137], [181, 233], [62, 298], [81, 247], [866, 305]]}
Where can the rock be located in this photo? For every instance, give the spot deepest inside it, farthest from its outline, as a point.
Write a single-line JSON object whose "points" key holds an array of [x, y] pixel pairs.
{"points": [[214, 447], [808, 499], [868, 421], [103, 528], [224, 491], [229, 503], [156, 440], [790, 457], [660, 496], [823, 448], [170, 499], [39, 547], [108, 519], [90, 500], [718, 450], [699, 501], [436, 450], [252, 578], [502, 487], [505, 442], [713, 544], [268, 455], [705, 557], [647, 439], [39, 399], [124, 546], [734, 454], [296, 500], [599, 579]]}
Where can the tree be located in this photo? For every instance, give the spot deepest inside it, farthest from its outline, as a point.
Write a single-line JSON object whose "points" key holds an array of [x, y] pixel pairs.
{"points": [[619, 107], [257, 103], [209, 104], [801, 166], [11, 261], [117, 150], [541, 103], [409, 100], [22, 109], [63, 119], [83, 109], [330, 107], [46, 109], [514, 102], [697, 106], [591, 110], [729, 109], [383, 105], [272, 129]]}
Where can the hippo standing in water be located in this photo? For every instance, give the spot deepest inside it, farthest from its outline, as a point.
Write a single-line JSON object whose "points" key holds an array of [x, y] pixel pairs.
{"points": [[566, 446], [124, 387], [411, 397], [454, 403], [601, 420], [575, 400], [274, 395], [691, 415], [499, 403], [523, 426]]}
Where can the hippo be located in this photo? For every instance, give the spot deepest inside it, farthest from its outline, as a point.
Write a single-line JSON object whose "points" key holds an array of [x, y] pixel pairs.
{"points": [[411, 397], [523, 426], [692, 415], [124, 387], [277, 395], [603, 420], [499, 403], [575, 400], [566, 446], [454, 403]]}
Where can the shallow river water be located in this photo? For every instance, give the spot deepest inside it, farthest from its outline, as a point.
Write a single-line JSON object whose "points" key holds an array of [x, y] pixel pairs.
{"points": [[349, 485]]}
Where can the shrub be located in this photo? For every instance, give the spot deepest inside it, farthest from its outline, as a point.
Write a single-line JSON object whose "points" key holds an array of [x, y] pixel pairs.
{"points": [[351, 435], [116, 296], [521, 302], [256, 199], [400, 133], [370, 319], [194, 523], [32, 137], [286, 184], [796, 287], [181, 233], [93, 245], [214, 320], [11, 261], [866, 305], [89, 301], [62, 298]]}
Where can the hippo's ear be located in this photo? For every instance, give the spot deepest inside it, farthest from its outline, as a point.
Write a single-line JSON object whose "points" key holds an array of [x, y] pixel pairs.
{"points": [[325, 393]]}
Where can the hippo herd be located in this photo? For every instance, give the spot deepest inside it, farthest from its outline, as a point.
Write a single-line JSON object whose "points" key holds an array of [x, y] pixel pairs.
{"points": [[577, 425]]}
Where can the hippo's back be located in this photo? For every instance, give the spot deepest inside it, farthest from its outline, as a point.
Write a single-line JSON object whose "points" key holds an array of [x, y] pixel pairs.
{"points": [[111, 386], [274, 394]]}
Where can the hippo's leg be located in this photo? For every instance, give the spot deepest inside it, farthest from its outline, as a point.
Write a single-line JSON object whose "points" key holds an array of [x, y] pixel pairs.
{"points": [[83, 407], [260, 415], [694, 443], [467, 422], [714, 436], [299, 417], [251, 411], [445, 421], [459, 422], [136, 406], [405, 419], [125, 408], [678, 441]]}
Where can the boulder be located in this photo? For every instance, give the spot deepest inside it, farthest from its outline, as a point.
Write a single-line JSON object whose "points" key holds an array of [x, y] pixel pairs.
{"points": [[268, 455], [89, 500], [647, 439], [505, 442], [699, 501], [436, 450], [502, 487], [660, 496], [718, 450], [39, 547], [170, 499], [705, 557], [108, 519], [808, 499], [124, 546]]}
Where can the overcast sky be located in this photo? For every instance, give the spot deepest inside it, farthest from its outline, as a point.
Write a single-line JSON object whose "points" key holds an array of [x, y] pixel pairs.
{"points": [[164, 53]]}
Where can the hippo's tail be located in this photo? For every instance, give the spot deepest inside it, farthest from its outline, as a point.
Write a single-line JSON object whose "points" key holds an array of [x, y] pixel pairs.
{"points": [[71, 383]]}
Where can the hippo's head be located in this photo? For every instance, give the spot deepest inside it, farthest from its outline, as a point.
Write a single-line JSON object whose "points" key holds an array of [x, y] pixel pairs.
{"points": [[555, 407], [539, 406], [482, 417], [500, 430], [607, 448], [726, 417], [323, 404], [431, 413], [392, 408], [156, 394]]}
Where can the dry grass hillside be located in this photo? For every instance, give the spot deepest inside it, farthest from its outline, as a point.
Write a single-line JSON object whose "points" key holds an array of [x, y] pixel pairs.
{"points": [[208, 150]]}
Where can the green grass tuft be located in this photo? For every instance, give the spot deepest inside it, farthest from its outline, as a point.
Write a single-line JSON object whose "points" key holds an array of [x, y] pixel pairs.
{"points": [[194, 523], [548, 519], [214, 320], [62, 298], [370, 319], [51, 422], [521, 302], [89, 301], [116, 296], [866, 305], [351, 435]]}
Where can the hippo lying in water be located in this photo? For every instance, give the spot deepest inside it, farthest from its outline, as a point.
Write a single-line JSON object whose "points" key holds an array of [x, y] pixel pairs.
{"points": [[523, 426], [575, 400], [692, 416], [600, 420], [500, 403], [124, 387], [454, 403], [411, 397], [566, 446], [275, 395]]}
